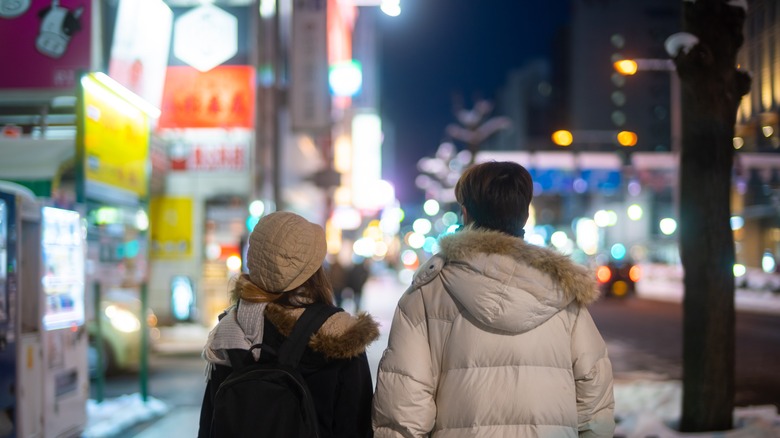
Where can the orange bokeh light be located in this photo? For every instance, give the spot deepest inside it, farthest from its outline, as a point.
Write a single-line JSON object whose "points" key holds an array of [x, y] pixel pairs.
{"points": [[603, 274]]}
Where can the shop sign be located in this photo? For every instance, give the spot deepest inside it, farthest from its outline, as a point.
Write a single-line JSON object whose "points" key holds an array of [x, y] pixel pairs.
{"points": [[309, 94], [45, 42], [12, 131], [205, 37], [209, 149], [139, 53], [171, 228], [116, 140], [220, 98]]}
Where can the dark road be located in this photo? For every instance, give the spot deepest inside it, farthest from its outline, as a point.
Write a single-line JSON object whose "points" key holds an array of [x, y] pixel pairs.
{"points": [[646, 335]]}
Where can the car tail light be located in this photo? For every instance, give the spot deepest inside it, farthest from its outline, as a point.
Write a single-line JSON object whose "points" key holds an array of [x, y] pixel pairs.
{"points": [[635, 273], [619, 288], [603, 274]]}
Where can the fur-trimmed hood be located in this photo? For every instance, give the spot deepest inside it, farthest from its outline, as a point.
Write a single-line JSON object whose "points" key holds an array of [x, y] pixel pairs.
{"points": [[342, 336], [509, 284]]}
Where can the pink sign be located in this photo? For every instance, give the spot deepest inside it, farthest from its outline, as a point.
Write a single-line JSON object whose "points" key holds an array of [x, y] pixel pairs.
{"points": [[45, 43]]}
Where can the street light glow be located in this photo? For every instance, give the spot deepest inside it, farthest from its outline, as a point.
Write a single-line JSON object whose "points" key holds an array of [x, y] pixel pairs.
{"points": [[626, 67], [562, 138], [391, 7], [627, 138]]}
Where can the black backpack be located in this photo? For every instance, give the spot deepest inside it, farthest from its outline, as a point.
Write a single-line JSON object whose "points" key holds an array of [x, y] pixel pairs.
{"points": [[270, 399]]}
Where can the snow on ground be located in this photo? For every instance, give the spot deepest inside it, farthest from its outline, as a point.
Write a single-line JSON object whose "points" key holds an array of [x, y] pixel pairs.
{"points": [[115, 415], [651, 408]]}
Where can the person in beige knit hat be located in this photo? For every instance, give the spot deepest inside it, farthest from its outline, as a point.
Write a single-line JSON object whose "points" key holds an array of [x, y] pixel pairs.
{"points": [[285, 274]]}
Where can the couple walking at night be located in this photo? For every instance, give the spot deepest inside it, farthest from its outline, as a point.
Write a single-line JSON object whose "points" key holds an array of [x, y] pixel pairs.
{"points": [[492, 339]]}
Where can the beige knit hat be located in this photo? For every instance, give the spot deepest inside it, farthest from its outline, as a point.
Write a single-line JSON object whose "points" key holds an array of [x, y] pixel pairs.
{"points": [[284, 251]]}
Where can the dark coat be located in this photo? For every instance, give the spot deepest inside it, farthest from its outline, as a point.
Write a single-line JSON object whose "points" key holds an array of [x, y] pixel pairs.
{"points": [[334, 366]]}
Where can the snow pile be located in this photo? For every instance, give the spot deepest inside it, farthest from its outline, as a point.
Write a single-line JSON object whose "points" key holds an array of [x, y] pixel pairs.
{"points": [[116, 415], [651, 408]]}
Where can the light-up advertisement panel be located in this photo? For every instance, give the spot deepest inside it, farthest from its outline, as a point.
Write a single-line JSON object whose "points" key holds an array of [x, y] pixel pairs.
{"points": [[140, 49], [62, 249], [116, 138], [3, 255], [45, 43]]}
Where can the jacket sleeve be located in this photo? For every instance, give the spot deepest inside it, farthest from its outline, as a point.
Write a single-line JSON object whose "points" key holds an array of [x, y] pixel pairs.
{"points": [[404, 402], [593, 379], [352, 411]]}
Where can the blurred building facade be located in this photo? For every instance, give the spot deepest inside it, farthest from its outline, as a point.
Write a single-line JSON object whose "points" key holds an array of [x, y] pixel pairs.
{"points": [[593, 173], [268, 104]]}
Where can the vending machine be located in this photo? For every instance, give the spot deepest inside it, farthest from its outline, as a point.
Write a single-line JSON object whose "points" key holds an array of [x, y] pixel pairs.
{"points": [[44, 383], [8, 314], [64, 337]]}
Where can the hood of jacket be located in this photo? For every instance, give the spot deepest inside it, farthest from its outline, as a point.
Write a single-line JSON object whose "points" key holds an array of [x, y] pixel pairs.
{"points": [[342, 336], [510, 285]]}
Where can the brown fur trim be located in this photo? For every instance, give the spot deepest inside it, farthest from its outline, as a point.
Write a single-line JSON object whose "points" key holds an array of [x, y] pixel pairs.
{"points": [[577, 281], [342, 336]]}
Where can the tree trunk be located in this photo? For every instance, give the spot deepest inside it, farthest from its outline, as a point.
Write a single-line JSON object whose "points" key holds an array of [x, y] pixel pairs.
{"points": [[711, 91]]}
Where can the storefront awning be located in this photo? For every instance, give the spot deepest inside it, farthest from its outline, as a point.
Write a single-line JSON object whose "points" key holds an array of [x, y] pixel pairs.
{"points": [[27, 159]]}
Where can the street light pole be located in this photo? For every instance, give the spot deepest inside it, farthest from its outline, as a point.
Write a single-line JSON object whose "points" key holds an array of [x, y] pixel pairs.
{"points": [[629, 67]]}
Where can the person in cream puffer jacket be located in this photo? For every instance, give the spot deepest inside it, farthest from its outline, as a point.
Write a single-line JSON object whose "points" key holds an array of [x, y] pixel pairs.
{"points": [[493, 337]]}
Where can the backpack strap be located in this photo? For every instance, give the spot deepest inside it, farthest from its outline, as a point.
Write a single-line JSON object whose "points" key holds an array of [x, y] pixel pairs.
{"points": [[240, 358], [291, 350]]}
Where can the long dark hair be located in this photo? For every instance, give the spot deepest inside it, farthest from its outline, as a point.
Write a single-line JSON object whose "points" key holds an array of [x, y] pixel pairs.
{"points": [[317, 289]]}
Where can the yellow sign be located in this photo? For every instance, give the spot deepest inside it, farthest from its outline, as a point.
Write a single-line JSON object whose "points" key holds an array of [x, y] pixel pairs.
{"points": [[171, 228], [116, 138]]}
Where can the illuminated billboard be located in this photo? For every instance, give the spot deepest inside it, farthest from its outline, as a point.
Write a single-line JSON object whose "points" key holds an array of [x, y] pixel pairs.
{"points": [[115, 139], [140, 49], [171, 219], [45, 43], [223, 97]]}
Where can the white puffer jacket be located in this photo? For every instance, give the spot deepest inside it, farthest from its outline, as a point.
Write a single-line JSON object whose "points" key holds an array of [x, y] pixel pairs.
{"points": [[493, 339]]}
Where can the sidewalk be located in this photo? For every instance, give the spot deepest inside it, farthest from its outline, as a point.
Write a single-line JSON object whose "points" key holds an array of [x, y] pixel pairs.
{"points": [[634, 392], [114, 416]]}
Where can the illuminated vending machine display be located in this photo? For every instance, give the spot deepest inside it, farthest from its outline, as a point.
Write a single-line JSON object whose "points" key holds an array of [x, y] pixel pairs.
{"points": [[66, 386], [63, 269], [7, 314]]}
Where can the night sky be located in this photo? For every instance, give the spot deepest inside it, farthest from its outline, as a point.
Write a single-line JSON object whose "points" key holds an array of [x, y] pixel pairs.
{"points": [[437, 49]]}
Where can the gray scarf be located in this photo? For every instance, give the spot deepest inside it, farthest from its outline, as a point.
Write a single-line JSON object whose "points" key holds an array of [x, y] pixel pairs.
{"points": [[240, 328]]}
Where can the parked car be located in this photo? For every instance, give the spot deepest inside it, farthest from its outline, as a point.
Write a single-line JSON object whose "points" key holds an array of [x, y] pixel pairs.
{"points": [[618, 278], [120, 327]]}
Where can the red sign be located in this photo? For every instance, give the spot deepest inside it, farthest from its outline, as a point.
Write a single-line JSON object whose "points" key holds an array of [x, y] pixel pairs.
{"points": [[12, 131], [208, 149], [223, 97], [219, 157]]}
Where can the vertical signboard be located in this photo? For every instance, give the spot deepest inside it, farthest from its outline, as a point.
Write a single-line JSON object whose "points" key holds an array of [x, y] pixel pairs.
{"points": [[139, 53], [366, 159], [171, 220], [309, 96], [44, 43], [116, 141]]}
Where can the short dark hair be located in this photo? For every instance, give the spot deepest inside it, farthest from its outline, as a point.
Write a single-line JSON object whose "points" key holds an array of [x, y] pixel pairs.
{"points": [[496, 195]]}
